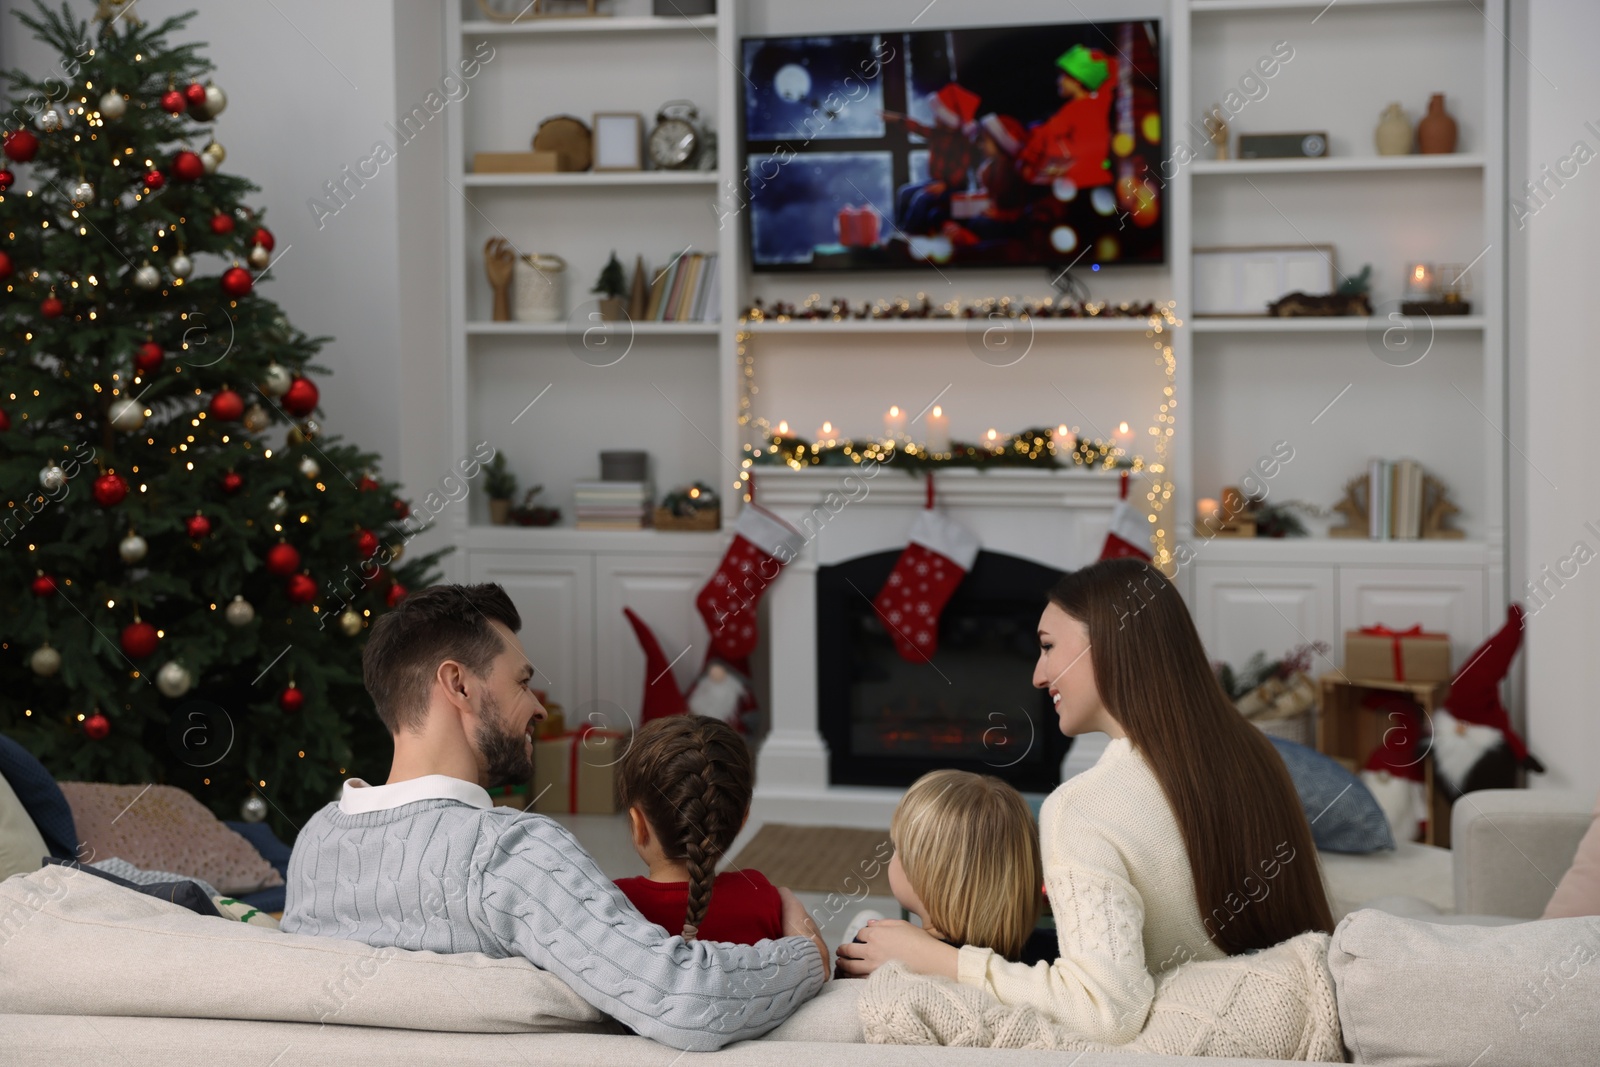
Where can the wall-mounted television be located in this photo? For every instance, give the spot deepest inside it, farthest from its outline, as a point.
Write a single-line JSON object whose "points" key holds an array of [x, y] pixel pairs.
{"points": [[1008, 146]]}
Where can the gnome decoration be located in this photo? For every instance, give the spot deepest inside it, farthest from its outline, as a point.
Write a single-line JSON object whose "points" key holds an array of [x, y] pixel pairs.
{"points": [[661, 695], [1474, 744], [1130, 530], [721, 692], [1393, 774]]}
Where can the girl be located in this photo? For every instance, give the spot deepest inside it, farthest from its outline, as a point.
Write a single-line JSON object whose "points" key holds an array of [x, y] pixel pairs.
{"points": [[966, 861], [686, 781], [1186, 841]]}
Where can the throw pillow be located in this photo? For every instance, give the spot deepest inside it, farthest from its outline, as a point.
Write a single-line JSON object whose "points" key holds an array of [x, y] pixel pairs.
{"points": [[21, 848], [1344, 816], [184, 893], [37, 789], [1579, 890], [161, 827]]}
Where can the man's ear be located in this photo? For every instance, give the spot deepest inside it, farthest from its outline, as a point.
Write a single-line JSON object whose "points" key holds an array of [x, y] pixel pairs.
{"points": [[452, 681]]}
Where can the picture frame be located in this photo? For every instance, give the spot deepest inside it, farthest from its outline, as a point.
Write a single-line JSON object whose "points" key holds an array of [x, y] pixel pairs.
{"points": [[618, 140], [1241, 280]]}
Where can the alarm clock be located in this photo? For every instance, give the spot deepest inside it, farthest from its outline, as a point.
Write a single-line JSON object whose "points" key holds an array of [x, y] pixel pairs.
{"points": [[677, 139]]}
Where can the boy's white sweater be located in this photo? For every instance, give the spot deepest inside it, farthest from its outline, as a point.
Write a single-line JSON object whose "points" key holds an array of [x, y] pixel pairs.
{"points": [[1118, 880]]}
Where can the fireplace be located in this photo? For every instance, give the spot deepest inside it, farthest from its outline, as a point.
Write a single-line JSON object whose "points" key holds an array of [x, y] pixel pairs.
{"points": [[887, 721]]}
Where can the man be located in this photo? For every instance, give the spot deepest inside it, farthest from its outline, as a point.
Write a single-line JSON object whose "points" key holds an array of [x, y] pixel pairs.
{"points": [[427, 862]]}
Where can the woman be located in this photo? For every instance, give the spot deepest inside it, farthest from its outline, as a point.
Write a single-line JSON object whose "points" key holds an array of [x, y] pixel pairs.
{"points": [[1185, 841]]}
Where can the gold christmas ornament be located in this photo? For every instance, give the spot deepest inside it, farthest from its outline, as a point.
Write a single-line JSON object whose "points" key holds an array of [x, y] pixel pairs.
{"points": [[309, 468], [45, 660], [113, 105], [173, 679], [260, 257], [256, 418], [239, 612], [277, 380], [350, 622], [133, 548], [127, 415]]}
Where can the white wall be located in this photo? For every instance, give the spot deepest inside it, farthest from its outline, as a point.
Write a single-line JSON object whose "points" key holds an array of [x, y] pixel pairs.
{"points": [[1558, 252]]}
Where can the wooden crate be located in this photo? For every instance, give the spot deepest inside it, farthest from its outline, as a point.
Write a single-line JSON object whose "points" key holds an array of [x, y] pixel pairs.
{"points": [[1349, 733], [705, 519]]}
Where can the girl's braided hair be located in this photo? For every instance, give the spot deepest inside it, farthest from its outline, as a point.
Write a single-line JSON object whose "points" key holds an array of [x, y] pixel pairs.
{"points": [[693, 777]]}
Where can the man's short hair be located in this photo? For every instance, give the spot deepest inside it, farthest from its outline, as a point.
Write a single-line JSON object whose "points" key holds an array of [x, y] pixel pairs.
{"points": [[430, 626]]}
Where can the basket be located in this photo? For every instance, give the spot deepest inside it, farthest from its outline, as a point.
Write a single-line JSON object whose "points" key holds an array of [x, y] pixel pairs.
{"points": [[1283, 708], [701, 519]]}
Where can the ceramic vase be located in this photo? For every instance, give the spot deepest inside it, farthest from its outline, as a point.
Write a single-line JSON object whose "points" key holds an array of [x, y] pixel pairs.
{"points": [[1436, 133], [1393, 135]]}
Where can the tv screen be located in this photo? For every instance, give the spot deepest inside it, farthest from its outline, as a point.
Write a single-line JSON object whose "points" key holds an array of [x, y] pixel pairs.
{"points": [[996, 147]]}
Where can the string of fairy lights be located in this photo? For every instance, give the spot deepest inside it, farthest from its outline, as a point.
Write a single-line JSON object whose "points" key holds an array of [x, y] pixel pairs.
{"points": [[767, 445]]}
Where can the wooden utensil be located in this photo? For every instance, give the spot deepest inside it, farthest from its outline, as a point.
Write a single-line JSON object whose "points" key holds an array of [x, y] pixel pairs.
{"points": [[499, 258]]}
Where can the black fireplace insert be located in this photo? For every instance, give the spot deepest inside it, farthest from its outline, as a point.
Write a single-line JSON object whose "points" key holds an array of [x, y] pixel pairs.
{"points": [[972, 706]]}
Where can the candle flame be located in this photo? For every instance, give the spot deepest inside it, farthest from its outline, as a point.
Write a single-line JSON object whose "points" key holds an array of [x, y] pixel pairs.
{"points": [[992, 435], [783, 427], [937, 411], [894, 411], [1062, 430], [1123, 428], [827, 427]]}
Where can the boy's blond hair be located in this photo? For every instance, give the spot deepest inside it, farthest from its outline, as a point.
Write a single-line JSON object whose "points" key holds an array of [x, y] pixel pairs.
{"points": [[970, 850]]}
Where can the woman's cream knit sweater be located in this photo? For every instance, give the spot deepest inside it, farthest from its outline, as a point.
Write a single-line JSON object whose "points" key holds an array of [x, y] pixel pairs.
{"points": [[1119, 884]]}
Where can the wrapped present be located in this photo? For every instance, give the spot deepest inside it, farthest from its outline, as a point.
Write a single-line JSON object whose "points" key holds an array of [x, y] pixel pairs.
{"points": [[511, 796], [574, 772], [1379, 653]]}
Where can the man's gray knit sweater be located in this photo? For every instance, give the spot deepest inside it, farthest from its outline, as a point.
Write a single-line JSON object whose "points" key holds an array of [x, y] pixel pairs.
{"points": [[446, 876]]}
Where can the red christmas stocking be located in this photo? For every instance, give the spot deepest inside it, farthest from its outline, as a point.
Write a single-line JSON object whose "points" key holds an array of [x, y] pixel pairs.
{"points": [[927, 572], [1130, 530], [762, 545]]}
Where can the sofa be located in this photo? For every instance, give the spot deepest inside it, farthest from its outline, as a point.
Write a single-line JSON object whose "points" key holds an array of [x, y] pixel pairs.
{"points": [[100, 975]]}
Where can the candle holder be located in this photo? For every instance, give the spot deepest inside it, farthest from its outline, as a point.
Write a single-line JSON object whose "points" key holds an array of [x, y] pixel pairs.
{"points": [[1445, 295], [1419, 281]]}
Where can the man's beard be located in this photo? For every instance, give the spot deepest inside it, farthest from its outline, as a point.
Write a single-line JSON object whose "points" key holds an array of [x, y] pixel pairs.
{"points": [[505, 754]]}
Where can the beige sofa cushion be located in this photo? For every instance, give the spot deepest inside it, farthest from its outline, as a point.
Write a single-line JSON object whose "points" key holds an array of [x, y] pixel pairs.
{"points": [[75, 944], [1578, 892], [1414, 993], [22, 847]]}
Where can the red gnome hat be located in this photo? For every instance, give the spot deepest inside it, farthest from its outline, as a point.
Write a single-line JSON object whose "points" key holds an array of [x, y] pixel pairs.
{"points": [[661, 694], [1474, 696]]}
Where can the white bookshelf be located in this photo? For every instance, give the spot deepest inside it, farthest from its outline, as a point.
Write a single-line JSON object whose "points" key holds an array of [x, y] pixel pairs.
{"points": [[1337, 164]]}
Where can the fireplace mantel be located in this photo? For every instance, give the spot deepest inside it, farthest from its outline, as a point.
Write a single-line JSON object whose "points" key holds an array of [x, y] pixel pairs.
{"points": [[1057, 518]]}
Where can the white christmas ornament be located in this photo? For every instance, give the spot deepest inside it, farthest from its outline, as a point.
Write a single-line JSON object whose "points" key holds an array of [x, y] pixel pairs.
{"points": [[256, 418], [216, 152], [278, 504], [173, 679], [209, 162], [216, 100], [45, 661], [82, 194], [52, 478], [309, 468], [147, 277], [113, 106], [127, 414], [181, 266], [277, 380], [254, 809], [239, 612], [133, 548], [50, 120], [260, 257]]}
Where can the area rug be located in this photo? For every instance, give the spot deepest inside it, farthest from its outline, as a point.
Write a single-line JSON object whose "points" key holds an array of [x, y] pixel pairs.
{"points": [[820, 859]]}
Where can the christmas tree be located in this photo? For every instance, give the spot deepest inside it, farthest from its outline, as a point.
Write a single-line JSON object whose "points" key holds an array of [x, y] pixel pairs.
{"points": [[191, 565]]}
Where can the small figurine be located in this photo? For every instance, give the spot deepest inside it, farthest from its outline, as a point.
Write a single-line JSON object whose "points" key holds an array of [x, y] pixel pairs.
{"points": [[1216, 124]]}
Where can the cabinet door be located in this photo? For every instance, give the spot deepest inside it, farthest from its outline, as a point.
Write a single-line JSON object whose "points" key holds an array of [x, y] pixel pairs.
{"points": [[554, 594], [1242, 609], [661, 591], [1448, 600]]}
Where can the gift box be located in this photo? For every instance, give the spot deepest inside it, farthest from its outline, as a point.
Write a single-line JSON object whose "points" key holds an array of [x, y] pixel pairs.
{"points": [[574, 772], [1381, 654]]}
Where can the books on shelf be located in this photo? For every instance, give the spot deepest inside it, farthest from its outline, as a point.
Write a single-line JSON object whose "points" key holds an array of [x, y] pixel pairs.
{"points": [[613, 505], [1394, 494], [685, 290]]}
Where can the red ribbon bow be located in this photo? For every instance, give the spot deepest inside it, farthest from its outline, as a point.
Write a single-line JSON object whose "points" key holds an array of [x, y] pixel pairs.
{"points": [[1395, 637]]}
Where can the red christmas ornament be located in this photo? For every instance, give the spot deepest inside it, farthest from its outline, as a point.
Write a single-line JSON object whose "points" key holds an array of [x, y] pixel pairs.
{"points": [[397, 593], [51, 307], [149, 357], [186, 167], [194, 94], [6, 179], [227, 405], [5, 260], [44, 586], [153, 180], [173, 101], [283, 558], [139, 639], [264, 238], [232, 483], [367, 483], [236, 281], [367, 544], [401, 509], [5, 421], [96, 727], [301, 588], [21, 145], [292, 699], [197, 525], [221, 224], [301, 399], [109, 489]]}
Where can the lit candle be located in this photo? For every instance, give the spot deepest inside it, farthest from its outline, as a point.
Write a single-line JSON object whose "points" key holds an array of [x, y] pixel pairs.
{"points": [[1064, 440], [783, 428], [894, 423], [1419, 281], [1207, 512], [992, 439], [826, 433], [938, 430], [1124, 436]]}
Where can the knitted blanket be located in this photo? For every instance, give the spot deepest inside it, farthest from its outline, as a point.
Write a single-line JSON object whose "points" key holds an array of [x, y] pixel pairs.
{"points": [[1276, 1004]]}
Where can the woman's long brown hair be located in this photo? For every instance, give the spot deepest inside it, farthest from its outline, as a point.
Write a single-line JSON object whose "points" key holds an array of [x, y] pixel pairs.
{"points": [[1256, 877], [693, 777]]}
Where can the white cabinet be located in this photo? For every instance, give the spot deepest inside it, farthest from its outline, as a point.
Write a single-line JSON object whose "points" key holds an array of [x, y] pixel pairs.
{"points": [[554, 594], [661, 591], [1241, 610], [1443, 599]]}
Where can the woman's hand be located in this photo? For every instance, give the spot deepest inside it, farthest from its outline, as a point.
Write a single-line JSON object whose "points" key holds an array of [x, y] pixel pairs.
{"points": [[896, 939], [797, 922]]}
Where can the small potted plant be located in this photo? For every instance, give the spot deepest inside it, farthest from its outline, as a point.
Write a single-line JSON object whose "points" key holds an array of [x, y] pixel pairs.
{"points": [[613, 283], [531, 514], [501, 486]]}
